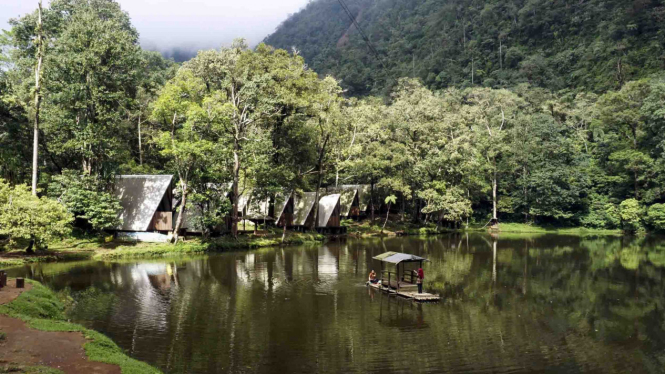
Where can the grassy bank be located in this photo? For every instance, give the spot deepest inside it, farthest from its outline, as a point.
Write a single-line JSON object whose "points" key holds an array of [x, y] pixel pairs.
{"points": [[197, 246], [102, 248], [41, 309], [536, 229], [396, 227]]}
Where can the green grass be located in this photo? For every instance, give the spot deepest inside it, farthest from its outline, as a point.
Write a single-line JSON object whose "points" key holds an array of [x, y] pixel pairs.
{"points": [[41, 309], [82, 247], [536, 229], [393, 227], [197, 246]]}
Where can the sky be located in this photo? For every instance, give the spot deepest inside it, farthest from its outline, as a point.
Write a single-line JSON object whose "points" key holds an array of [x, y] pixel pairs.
{"points": [[189, 25]]}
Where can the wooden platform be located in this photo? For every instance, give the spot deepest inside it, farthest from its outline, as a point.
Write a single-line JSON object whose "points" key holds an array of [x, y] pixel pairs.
{"points": [[408, 293]]}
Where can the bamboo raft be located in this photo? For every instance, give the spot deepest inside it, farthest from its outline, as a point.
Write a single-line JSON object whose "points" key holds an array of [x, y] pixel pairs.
{"points": [[407, 293]]}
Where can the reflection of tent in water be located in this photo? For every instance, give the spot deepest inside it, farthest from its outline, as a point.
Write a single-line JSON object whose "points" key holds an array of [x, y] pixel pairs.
{"points": [[401, 281], [146, 205]]}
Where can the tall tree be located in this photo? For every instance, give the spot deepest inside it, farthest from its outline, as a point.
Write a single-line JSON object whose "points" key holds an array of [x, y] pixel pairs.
{"points": [[38, 98], [253, 91]]}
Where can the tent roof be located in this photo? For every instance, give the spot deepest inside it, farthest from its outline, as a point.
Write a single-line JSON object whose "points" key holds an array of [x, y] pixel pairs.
{"points": [[302, 206], [397, 257], [139, 197], [346, 201], [364, 194], [259, 209], [281, 199], [327, 206]]}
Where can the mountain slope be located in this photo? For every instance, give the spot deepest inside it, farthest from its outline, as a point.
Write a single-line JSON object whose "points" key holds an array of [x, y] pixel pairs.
{"points": [[593, 45]]}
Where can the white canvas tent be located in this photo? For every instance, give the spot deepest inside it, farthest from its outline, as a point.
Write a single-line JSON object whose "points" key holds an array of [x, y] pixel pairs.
{"points": [[143, 199], [303, 204], [329, 210]]}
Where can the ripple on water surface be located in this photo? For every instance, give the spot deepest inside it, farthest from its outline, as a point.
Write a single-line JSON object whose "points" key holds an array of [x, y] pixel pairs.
{"points": [[518, 305]]}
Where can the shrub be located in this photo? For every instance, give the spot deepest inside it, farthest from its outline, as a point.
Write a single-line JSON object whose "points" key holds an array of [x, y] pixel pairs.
{"points": [[656, 217], [24, 216], [86, 198], [602, 214], [630, 212]]}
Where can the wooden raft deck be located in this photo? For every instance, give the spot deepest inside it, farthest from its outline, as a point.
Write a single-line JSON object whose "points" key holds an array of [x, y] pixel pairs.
{"points": [[408, 294]]}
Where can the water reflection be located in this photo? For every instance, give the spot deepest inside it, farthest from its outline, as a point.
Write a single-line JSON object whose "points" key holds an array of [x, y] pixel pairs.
{"points": [[512, 304]]}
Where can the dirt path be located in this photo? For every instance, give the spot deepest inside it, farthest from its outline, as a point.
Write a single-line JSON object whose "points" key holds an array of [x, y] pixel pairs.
{"points": [[61, 350]]}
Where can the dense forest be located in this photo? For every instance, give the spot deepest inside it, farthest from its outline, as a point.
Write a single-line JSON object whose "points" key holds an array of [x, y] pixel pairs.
{"points": [[545, 112], [590, 45]]}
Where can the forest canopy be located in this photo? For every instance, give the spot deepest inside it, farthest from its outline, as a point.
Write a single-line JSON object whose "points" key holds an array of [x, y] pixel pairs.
{"points": [[536, 111]]}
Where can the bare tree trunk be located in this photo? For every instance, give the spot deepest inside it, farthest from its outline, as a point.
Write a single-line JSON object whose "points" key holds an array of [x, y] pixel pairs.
{"points": [[284, 232], [637, 187], [371, 202], [322, 153], [386, 221], [38, 100], [140, 146], [236, 180], [500, 54], [181, 211], [494, 183]]}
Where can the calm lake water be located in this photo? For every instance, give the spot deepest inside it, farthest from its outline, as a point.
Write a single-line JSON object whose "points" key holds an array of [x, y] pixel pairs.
{"points": [[512, 304]]}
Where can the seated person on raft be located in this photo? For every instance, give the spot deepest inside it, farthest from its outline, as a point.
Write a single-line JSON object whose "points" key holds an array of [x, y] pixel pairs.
{"points": [[372, 277]]}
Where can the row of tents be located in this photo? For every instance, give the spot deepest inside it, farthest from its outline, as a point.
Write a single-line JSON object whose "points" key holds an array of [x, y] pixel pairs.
{"points": [[149, 207]]}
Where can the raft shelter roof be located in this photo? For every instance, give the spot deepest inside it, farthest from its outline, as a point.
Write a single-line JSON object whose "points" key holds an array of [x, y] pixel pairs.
{"points": [[302, 207], [327, 206], [140, 196], [397, 258]]}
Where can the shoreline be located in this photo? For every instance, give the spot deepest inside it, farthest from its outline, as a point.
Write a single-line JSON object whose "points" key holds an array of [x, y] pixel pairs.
{"points": [[101, 249], [34, 324]]}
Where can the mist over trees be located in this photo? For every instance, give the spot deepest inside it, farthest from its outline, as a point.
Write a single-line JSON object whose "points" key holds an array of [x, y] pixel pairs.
{"points": [[500, 112]]}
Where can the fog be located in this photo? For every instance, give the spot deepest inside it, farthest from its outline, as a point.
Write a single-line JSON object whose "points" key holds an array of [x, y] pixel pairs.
{"points": [[179, 28]]}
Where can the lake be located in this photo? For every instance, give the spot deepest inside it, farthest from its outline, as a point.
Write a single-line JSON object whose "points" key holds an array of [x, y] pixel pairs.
{"points": [[511, 304]]}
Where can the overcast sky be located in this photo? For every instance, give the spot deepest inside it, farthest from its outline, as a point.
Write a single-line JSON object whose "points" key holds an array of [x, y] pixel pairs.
{"points": [[189, 24]]}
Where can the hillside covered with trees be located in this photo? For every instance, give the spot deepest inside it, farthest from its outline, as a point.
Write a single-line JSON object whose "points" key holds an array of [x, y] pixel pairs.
{"points": [[590, 45], [545, 112]]}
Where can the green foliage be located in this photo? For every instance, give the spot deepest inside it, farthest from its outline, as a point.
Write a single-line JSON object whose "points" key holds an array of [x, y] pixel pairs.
{"points": [[86, 198], [656, 217], [601, 214], [594, 46], [24, 216], [631, 213]]}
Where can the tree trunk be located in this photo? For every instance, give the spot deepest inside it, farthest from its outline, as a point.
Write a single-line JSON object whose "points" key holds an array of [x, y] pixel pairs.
{"points": [[500, 54], [386, 221], [140, 146], [236, 180], [371, 202], [637, 187], [284, 232], [181, 212], [322, 153], [494, 183], [38, 99], [30, 250]]}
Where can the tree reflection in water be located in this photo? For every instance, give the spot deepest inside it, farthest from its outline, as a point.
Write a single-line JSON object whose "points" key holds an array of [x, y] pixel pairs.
{"points": [[512, 303]]}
